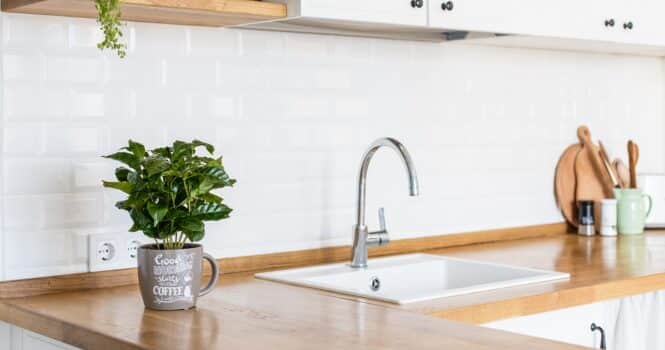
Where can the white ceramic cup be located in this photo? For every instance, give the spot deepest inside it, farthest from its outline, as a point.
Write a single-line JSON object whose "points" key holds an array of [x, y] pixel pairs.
{"points": [[608, 217]]}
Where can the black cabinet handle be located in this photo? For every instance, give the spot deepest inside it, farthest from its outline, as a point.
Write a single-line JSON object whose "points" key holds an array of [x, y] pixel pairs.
{"points": [[628, 26], [417, 4], [609, 22], [447, 6], [594, 328]]}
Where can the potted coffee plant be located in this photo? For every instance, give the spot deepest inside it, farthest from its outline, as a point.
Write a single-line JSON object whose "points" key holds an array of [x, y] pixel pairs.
{"points": [[169, 197]]}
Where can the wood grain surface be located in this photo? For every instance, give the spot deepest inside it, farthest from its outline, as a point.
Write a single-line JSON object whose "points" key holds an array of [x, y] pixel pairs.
{"points": [[213, 13], [565, 183], [252, 314], [106, 279]]}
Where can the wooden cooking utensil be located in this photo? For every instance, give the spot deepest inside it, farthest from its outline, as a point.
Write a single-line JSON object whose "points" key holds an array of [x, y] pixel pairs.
{"points": [[565, 185], [593, 182], [608, 165], [623, 173], [633, 157]]}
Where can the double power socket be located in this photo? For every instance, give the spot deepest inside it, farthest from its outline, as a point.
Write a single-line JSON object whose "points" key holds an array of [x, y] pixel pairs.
{"points": [[112, 251]]}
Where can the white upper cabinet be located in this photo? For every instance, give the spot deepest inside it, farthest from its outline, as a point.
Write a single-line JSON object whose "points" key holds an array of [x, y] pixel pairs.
{"points": [[620, 21], [397, 12], [618, 26], [533, 17]]}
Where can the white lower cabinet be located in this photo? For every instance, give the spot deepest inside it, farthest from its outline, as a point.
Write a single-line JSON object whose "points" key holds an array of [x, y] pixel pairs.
{"points": [[631, 323], [16, 338], [572, 325]]}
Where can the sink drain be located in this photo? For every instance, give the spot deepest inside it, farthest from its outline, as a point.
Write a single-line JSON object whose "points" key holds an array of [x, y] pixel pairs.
{"points": [[376, 284]]}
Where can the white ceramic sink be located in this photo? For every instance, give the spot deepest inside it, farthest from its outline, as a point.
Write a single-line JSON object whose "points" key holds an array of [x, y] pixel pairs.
{"points": [[414, 277]]}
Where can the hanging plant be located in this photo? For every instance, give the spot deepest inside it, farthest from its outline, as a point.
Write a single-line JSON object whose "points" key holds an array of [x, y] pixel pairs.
{"points": [[109, 19]]}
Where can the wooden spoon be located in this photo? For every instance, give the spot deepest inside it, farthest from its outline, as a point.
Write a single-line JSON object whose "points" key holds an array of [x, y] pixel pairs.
{"points": [[623, 173], [633, 157], [608, 165]]}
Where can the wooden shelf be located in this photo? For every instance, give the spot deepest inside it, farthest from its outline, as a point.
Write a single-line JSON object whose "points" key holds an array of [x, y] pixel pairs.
{"points": [[213, 13]]}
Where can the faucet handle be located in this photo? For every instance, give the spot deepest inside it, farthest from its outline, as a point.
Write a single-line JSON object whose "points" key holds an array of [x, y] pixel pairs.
{"points": [[382, 220], [381, 237]]}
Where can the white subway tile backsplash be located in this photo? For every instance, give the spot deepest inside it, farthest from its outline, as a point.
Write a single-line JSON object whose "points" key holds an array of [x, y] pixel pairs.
{"points": [[34, 31], [24, 139], [88, 174], [43, 253], [292, 115], [35, 103], [84, 34], [23, 65], [190, 73], [23, 212], [209, 42], [87, 104], [88, 70], [73, 210], [36, 175], [72, 140]]}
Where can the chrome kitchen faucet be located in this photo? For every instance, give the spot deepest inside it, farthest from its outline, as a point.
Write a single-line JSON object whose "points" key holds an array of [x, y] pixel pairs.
{"points": [[362, 238]]}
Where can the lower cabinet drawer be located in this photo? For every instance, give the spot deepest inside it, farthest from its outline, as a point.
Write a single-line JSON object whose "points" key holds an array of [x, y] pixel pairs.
{"points": [[16, 338], [571, 325]]}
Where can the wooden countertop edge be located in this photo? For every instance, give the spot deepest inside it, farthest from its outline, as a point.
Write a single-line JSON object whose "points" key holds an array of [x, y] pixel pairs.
{"points": [[71, 334], [534, 304], [281, 260]]}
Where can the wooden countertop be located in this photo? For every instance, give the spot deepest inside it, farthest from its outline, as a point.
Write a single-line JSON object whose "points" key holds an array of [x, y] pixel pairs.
{"points": [[247, 313]]}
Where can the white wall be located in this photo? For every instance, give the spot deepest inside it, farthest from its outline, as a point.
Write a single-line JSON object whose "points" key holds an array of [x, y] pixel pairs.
{"points": [[292, 115]]}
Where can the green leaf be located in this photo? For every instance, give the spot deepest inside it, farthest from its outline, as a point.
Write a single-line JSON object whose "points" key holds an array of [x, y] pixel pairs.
{"points": [[127, 158], [122, 186], [157, 212], [211, 211], [155, 165], [190, 225], [211, 197], [163, 151], [137, 149], [192, 228], [141, 220], [208, 147], [182, 150], [121, 173]]}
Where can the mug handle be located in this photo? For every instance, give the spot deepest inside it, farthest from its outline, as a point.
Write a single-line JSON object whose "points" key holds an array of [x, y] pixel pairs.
{"points": [[215, 275], [650, 203]]}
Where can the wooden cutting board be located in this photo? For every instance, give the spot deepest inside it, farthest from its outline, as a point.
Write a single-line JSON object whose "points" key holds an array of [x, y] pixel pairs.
{"points": [[565, 184]]}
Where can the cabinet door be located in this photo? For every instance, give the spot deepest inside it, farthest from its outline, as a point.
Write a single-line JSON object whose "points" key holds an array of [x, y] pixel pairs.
{"points": [[570, 325], [400, 12], [642, 22], [532, 17]]}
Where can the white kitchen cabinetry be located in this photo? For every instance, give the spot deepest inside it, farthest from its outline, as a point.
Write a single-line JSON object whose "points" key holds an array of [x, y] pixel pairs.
{"points": [[397, 12], [619, 21], [631, 323], [571, 325], [616, 26], [533, 17], [16, 338]]}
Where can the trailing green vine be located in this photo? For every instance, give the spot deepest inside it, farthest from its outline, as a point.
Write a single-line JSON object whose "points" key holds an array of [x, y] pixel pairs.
{"points": [[109, 19]]}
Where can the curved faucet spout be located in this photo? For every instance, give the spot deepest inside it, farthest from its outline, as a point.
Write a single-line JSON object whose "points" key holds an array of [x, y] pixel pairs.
{"points": [[361, 236], [414, 188]]}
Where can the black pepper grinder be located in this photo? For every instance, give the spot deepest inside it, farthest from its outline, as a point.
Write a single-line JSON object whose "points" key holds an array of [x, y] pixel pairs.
{"points": [[585, 216]]}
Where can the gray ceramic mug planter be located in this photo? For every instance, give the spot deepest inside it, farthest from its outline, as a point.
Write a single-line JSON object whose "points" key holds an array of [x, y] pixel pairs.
{"points": [[171, 279]]}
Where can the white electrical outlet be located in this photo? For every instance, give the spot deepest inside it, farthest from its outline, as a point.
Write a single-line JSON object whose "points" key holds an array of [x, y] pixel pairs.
{"points": [[112, 251]]}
